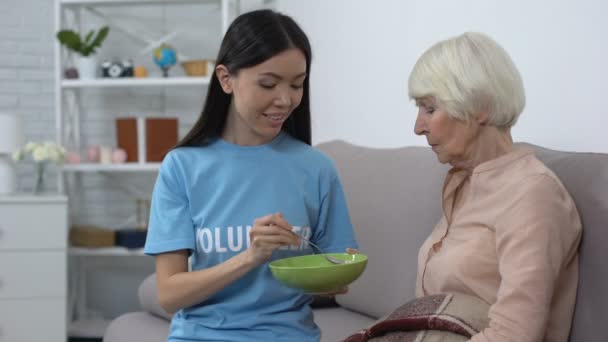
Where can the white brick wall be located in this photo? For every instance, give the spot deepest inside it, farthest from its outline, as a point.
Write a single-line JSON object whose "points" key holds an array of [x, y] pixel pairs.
{"points": [[26, 33], [26, 74]]}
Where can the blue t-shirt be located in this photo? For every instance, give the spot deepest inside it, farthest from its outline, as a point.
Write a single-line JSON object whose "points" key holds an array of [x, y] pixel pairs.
{"points": [[206, 199]]}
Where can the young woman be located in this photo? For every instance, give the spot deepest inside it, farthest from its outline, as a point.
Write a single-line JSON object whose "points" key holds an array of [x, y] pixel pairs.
{"points": [[241, 189]]}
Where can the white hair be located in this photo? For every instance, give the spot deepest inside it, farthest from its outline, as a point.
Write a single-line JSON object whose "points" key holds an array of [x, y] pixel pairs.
{"points": [[470, 74]]}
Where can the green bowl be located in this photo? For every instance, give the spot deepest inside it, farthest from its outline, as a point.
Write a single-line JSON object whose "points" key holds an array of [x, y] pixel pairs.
{"points": [[315, 274]]}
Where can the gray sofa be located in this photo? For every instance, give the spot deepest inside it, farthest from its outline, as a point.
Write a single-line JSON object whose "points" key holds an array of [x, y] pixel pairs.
{"points": [[394, 199]]}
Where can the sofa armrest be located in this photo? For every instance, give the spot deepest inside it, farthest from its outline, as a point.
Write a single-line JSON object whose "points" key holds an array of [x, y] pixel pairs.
{"points": [[148, 297]]}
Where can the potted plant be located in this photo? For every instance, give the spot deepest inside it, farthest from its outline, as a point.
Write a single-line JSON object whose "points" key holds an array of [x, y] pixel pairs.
{"points": [[85, 47]]}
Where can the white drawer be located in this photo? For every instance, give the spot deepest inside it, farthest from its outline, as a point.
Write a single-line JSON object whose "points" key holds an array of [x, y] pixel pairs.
{"points": [[33, 225], [33, 274], [33, 320]]}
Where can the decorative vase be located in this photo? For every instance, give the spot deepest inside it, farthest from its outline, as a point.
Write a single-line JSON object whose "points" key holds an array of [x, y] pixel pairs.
{"points": [[87, 67], [39, 185], [93, 153]]}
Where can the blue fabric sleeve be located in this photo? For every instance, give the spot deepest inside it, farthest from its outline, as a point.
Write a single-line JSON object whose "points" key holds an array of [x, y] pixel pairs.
{"points": [[334, 231], [170, 226]]}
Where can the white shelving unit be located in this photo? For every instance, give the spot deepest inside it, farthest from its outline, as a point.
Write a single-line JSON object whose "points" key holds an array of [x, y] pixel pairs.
{"points": [[69, 114], [135, 82], [127, 2], [105, 251], [69, 109], [126, 167]]}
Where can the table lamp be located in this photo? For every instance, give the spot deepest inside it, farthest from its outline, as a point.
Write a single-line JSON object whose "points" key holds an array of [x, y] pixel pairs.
{"points": [[10, 140]]}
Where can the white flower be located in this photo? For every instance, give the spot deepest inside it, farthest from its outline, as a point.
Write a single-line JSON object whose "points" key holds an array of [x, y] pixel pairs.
{"points": [[40, 153], [56, 155], [18, 155], [30, 146]]}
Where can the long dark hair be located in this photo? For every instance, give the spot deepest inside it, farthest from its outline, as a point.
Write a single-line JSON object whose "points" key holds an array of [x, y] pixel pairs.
{"points": [[251, 39]]}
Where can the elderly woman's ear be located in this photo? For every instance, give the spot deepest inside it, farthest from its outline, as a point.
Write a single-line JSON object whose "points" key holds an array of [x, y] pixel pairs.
{"points": [[481, 118]]}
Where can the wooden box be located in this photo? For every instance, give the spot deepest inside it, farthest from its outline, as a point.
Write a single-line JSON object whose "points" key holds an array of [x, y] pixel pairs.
{"points": [[161, 136], [91, 236], [146, 140]]}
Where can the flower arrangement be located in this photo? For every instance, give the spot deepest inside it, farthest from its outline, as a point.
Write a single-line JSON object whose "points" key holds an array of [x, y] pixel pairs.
{"points": [[41, 154]]}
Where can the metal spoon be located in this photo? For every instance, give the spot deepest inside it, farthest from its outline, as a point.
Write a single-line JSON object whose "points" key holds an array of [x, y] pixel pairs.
{"points": [[328, 257]]}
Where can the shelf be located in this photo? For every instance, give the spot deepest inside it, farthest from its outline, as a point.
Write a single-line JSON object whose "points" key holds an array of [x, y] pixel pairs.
{"points": [[22, 197], [135, 82], [126, 167], [128, 2], [105, 251]]}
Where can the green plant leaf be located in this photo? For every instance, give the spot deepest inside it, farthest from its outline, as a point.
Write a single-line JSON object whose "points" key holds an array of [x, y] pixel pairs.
{"points": [[87, 40], [71, 40], [84, 47], [99, 38]]}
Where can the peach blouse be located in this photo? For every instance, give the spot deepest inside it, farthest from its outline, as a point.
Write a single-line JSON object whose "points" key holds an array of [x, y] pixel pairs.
{"points": [[509, 235]]}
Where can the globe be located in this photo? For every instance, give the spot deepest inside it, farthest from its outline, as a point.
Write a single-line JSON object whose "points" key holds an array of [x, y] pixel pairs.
{"points": [[165, 57]]}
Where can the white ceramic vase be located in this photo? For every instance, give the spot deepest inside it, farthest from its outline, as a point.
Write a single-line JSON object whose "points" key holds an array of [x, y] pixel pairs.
{"points": [[87, 67]]}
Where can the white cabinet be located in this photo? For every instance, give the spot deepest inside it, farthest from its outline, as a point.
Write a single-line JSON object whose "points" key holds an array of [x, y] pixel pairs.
{"points": [[33, 320], [38, 273], [24, 223], [33, 268]]}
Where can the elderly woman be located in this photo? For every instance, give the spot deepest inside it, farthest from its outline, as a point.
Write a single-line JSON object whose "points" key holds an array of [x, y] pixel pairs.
{"points": [[510, 231]]}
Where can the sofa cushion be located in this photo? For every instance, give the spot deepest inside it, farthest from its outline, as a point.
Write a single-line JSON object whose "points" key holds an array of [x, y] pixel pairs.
{"points": [[137, 327], [338, 323], [585, 175], [394, 200], [148, 297]]}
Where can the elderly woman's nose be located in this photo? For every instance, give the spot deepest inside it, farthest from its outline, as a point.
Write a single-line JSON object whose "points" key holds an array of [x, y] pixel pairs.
{"points": [[420, 125]]}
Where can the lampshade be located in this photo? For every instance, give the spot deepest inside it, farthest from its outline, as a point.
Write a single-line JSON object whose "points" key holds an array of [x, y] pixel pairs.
{"points": [[7, 175], [11, 133]]}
